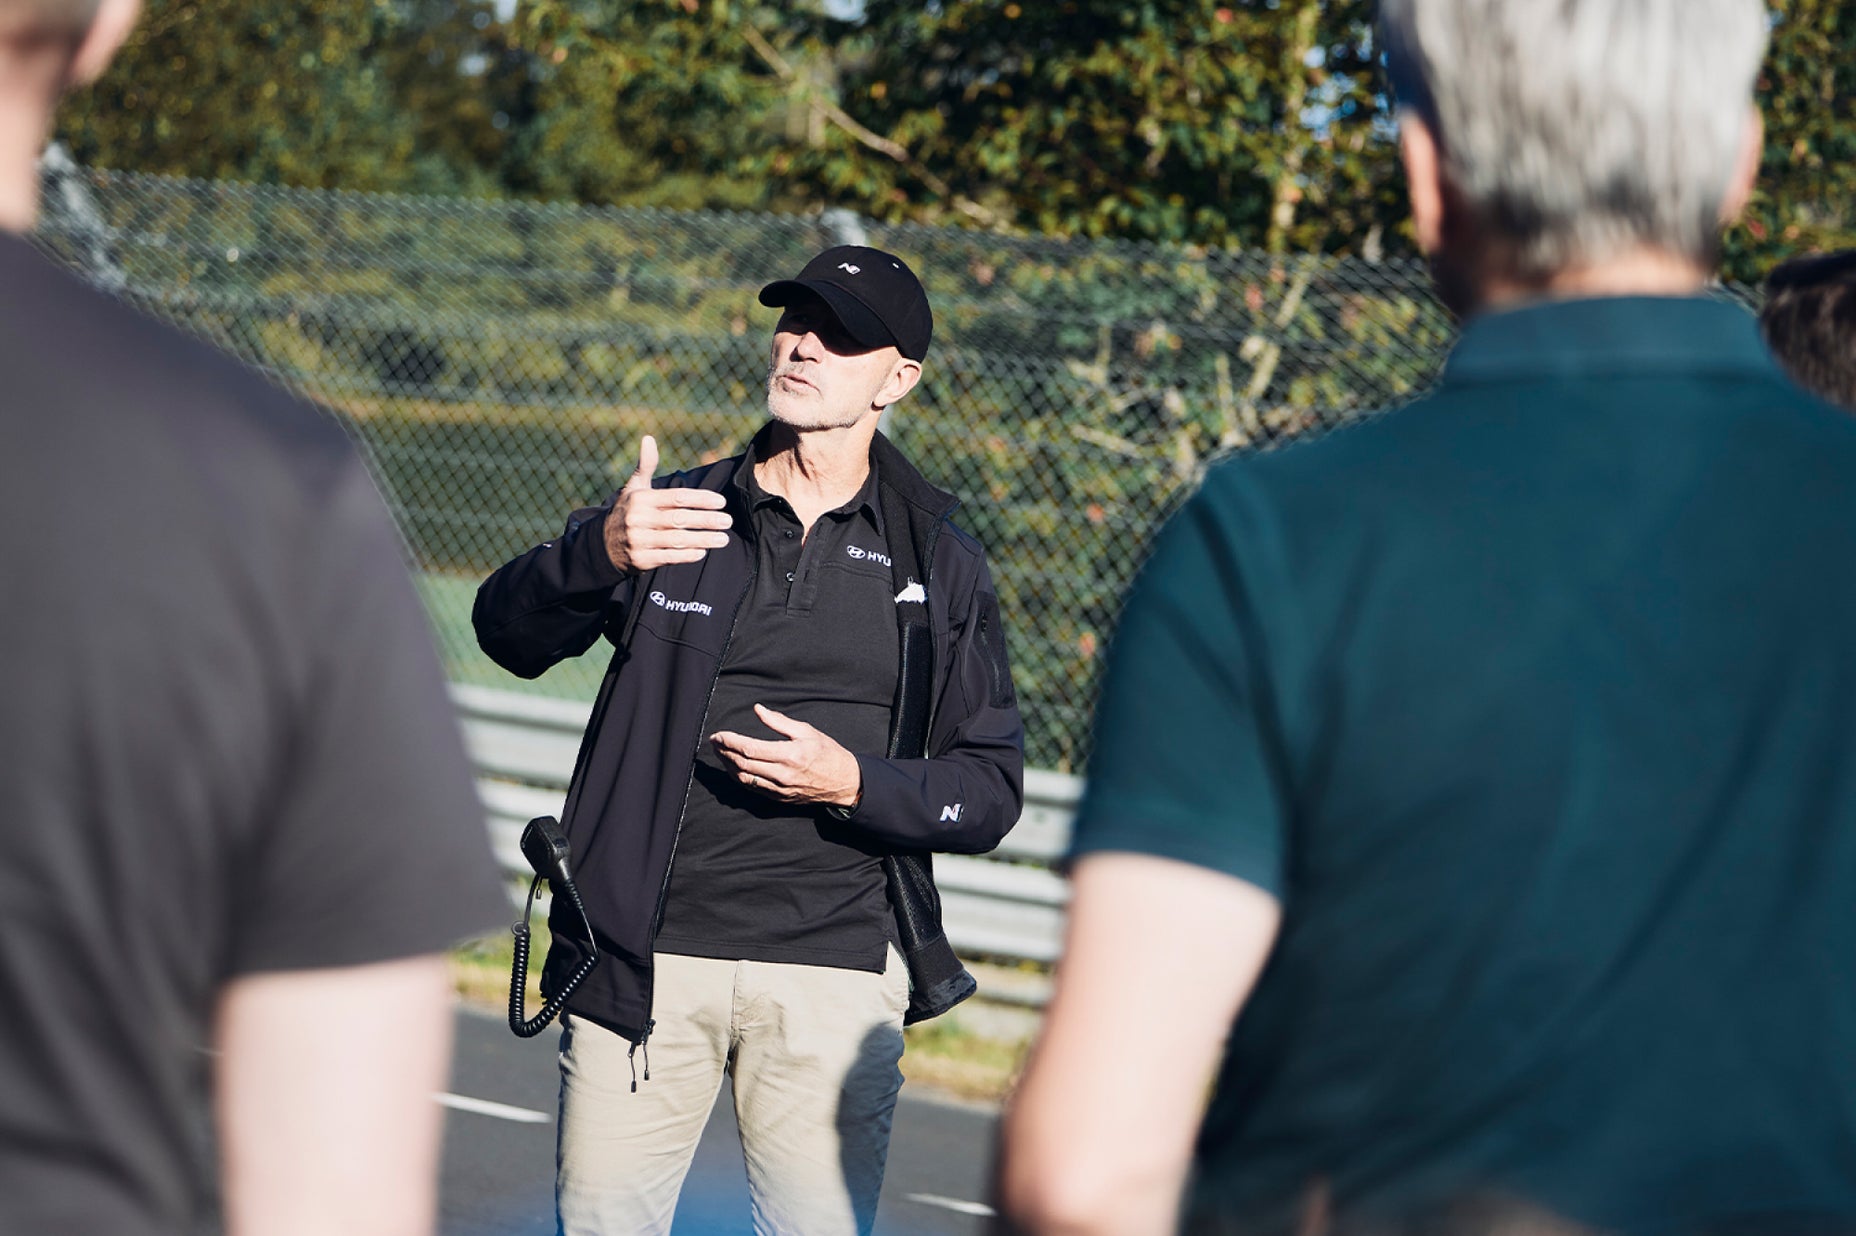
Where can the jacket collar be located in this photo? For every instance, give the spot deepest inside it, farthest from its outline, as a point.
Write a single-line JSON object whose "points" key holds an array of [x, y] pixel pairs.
{"points": [[899, 476], [890, 468], [746, 487], [1611, 335]]}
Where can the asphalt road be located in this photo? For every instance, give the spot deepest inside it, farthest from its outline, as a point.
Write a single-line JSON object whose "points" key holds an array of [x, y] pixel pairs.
{"points": [[498, 1174]]}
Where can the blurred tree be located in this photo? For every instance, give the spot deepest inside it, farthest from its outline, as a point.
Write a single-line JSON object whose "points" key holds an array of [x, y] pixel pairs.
{"points": [[665, 103], [301, 92], [441, 62], [650, 102], [1236, 123], [1245, 124], [1806, 196]]}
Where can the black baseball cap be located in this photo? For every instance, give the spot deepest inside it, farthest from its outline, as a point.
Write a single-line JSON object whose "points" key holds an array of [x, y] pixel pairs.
{"points": [[875, 295]]}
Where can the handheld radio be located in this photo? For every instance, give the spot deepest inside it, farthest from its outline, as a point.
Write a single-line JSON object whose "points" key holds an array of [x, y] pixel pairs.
{"points": [[544, 845]]}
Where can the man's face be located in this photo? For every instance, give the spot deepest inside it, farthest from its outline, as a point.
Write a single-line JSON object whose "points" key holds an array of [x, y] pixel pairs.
{"points": [[818, 376]]}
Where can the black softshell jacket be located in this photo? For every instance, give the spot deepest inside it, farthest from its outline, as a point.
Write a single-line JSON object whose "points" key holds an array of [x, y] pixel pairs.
{"points": [[952, 780]]}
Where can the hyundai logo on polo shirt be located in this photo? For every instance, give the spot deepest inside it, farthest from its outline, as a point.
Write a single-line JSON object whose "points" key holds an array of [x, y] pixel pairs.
{"points": [[680, 607], [860, 554]]}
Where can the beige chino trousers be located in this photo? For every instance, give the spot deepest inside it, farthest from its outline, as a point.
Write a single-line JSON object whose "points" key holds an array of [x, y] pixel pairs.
{"points": [[813, 1052]]}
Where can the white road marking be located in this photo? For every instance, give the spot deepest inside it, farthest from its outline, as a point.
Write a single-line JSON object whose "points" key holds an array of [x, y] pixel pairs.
{"points": [[483, 1107], [954, 1204]]}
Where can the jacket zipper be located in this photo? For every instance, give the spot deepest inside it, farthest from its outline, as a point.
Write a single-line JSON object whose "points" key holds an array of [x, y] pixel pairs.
{"points": [[934, 696], [663, 889], [734, 619]]}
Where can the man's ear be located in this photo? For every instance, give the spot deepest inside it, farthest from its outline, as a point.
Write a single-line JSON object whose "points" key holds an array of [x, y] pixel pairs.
{"points": [[1424, 186], [114, 20], [1746, 167], [902, 380]]}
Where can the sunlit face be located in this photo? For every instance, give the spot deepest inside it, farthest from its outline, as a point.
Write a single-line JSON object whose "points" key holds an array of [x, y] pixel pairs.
{"points": [[818, 376]]}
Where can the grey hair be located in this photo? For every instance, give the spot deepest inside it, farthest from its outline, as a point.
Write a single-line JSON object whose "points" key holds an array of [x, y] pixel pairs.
{"points": [[1578, 129]]}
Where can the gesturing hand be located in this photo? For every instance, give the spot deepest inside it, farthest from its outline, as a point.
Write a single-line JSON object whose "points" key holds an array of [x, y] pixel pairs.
{"points": [[654, 527], [807, 766]]}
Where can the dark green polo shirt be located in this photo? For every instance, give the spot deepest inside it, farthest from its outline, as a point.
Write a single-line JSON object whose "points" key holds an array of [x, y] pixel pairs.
{"points": [[1535, 704]]}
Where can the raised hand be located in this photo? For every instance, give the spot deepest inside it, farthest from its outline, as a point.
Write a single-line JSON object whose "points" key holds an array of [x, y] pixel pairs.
{"points": [[806, 766], [655, 527]]}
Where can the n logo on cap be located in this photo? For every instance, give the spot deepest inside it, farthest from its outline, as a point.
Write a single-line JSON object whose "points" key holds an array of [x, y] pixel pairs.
{"points": [[849, 267]]}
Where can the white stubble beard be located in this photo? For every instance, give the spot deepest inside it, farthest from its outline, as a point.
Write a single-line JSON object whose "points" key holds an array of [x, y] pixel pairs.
{"points": [[797, 418]]}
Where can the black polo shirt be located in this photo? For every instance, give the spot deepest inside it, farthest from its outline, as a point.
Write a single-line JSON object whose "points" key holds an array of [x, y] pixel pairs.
{"points": [[1535, 704], [758, 880]]}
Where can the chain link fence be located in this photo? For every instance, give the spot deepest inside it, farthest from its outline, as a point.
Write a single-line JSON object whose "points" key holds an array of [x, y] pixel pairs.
{"points": [[499, 361]]}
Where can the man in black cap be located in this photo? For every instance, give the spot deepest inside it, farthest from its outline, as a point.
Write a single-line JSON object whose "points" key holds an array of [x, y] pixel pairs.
{"points": [[810, 693]]}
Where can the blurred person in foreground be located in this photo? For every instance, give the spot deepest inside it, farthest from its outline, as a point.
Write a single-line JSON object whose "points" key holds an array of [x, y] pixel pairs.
{"points": [[809, 692], [1809, 321], [236, 824], [1484, 769]]}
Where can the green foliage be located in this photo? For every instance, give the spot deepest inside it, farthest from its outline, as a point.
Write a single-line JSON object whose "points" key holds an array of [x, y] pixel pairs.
{"points": [[651, 103], [1805, 199], [442, 63], [323, 93], [1241, 124]]}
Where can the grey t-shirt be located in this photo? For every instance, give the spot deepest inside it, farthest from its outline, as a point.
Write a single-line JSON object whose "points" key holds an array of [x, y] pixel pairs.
{"points": [[225, 739]]}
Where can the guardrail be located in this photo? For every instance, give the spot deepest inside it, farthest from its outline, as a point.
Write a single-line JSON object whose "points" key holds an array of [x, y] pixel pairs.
{"points": [[1006, 905]]}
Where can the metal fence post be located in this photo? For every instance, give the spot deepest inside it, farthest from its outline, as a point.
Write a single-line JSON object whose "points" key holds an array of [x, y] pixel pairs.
{"points": [[63, 182]]}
